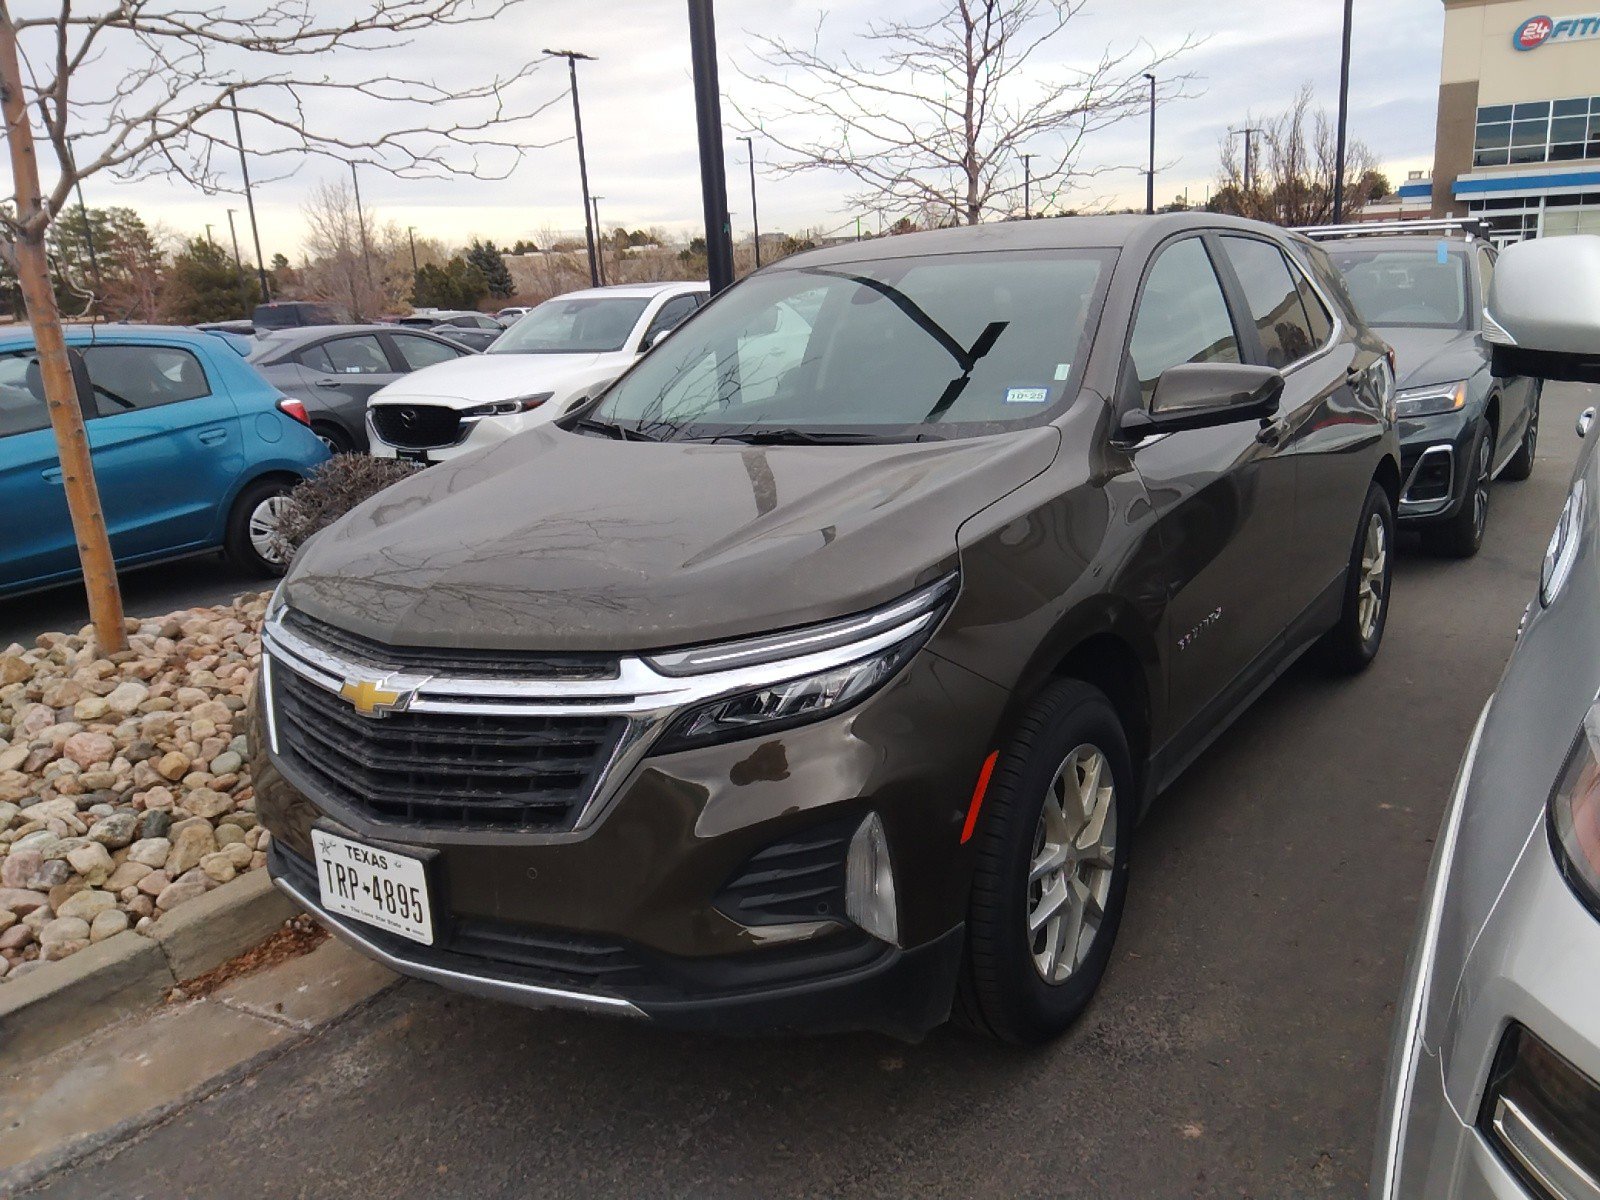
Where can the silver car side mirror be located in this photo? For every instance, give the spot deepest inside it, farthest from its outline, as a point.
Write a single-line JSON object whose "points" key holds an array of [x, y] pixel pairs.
{"points": [[1543, 316], [1585, 419]]}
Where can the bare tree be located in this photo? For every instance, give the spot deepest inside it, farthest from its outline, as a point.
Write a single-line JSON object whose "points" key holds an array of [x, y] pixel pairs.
{"points": [[931, 118], [154, 87], [1293, 161], [366, 270]]}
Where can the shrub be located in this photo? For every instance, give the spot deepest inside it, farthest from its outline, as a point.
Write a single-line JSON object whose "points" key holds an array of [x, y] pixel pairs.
{"points": [[332, 490]]}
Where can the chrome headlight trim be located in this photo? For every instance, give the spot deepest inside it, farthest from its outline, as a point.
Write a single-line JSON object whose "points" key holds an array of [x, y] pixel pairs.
{"points": [[1431, 401]]}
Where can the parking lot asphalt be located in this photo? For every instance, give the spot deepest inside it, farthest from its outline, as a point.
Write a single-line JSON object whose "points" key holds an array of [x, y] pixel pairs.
{"points": [[1237, 1048]]}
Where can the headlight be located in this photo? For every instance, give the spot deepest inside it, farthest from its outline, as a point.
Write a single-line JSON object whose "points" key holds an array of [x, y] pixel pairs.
{"points": [[505, 408], [1575, 813], [275, 604], [1431, 401], [1541, 1114], [803, 674], [1562, 551]]}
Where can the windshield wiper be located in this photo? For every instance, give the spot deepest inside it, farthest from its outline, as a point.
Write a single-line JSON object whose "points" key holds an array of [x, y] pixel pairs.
{"points": [[608, 429], [811, 437]]}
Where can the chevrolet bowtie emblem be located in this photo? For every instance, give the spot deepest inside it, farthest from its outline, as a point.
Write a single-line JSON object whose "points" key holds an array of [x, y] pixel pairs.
{"points": [[371, 698]]}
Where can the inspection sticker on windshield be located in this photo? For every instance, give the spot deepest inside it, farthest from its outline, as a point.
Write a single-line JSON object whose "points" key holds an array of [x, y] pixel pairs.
{"points": [[1062, 371], [1444, 253], [1027, 395]]}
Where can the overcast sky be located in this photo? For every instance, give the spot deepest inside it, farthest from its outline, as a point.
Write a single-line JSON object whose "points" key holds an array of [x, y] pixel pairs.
{"points": [[640, 130]]}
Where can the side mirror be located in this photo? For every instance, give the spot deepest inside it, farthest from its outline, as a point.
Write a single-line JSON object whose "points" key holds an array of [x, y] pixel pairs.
{"points": [[1543, 317], [653, 338], [1203, 395]]}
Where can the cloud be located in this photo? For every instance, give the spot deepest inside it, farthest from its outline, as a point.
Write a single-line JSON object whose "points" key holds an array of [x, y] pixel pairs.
{"points": [[639, 123]]}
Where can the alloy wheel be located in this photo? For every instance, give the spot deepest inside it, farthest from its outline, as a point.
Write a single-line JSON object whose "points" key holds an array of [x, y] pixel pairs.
{"points": [[1480, 491], [1074, 852], [265, 519], [1374, 567]]}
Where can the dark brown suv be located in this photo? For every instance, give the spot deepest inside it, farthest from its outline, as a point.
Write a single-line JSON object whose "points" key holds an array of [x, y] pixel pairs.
{"points": [[815, 675]]}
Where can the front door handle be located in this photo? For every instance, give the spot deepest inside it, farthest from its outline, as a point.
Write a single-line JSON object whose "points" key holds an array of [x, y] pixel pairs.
{"points": [[1272, 433], [328, 383], [212, 436], [51, 475]]}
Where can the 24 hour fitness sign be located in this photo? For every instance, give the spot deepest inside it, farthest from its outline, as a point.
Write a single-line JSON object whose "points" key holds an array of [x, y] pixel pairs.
{"points": [[1543, 31]]}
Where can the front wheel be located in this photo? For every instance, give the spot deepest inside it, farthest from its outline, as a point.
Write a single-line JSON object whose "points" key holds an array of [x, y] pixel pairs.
{"points": [[1462, 535], [252, 542], [1353, 642], [1052, 868], [1521, 464]]}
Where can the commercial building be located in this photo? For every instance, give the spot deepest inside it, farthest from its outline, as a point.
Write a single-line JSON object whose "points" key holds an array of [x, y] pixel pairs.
{"points": [[1519, 116]]}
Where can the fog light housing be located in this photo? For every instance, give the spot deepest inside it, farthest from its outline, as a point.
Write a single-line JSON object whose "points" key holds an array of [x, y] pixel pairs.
{"points": [[869, 883], [1542, 1116]]}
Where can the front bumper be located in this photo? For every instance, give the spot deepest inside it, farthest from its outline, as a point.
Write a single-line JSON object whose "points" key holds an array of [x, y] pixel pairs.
{"points": [[1434, 457], [473, 435]]}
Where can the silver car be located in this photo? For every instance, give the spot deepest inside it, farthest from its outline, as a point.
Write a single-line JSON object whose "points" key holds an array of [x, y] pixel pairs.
{"points": [[1494, 1085]]}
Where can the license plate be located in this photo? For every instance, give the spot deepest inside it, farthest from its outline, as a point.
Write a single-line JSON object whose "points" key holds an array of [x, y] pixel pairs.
{"points": [[373, 885], [416, 456]]}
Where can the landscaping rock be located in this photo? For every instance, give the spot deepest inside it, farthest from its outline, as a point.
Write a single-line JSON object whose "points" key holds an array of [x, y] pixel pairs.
{"points": [[109, 923], [154, 824], [22, 901], [203, 802], [173, 765], [86, 905], [179, 892], [125, 698], [93, 862], [150, 851], [64, 929]]}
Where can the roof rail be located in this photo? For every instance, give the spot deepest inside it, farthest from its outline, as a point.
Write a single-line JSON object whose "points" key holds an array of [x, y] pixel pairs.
{"points": [[1470, 227]]}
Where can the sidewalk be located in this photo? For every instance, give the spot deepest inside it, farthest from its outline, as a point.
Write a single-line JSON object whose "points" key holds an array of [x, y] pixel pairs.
{"points": [[57, 1109]]}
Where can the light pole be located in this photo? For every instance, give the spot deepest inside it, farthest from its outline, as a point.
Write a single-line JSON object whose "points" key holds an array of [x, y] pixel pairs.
{"points": [[1247, 143], [361, 228], [1150, 179], [599, 240], [708, 118], [1344, 116], [411, 236], [1027, 187], [209, 238], [238, 263], [572, 57], [250, 201], [755, 219]]}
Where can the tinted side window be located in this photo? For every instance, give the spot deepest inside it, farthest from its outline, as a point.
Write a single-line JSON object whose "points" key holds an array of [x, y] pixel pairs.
{"points": [[129, 378], [357, 356], [1316, 311], [1273, 298], [317, 359], [421, 352], [1182, 316], [672, 314], [22, 407]]}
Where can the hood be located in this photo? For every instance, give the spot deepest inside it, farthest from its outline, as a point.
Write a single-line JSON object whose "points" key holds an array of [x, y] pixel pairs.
{"points": [[482, 378], [1429, 356], [557, 541]]}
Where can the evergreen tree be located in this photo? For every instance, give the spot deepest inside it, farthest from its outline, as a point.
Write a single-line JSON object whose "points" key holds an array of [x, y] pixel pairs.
{"points": [[205, 285], [457, 284], [492, 266]]}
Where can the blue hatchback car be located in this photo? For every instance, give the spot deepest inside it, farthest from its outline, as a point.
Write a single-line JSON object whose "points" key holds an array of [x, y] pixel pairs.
{"points": [[193, 452]]}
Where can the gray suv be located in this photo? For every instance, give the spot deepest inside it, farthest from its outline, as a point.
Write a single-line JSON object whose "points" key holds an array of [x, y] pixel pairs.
{"points": [[816, 674]]}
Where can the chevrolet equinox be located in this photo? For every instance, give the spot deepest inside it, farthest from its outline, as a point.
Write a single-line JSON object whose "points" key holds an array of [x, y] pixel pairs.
{"points": [[815, 675]]}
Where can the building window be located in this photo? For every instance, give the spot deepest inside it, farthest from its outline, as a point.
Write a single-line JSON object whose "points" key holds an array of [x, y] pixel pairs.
{"points": [[1537, 131]]}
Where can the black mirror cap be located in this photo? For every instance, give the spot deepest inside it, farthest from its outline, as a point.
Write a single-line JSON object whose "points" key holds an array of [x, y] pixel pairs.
{"points": [[1203, 395], [1551, 365]]}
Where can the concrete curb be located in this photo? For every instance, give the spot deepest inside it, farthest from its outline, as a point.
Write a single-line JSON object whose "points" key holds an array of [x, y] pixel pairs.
{"points": [[128, 972]]}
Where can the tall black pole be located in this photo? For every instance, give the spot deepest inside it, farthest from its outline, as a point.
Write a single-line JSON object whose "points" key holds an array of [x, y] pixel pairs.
{"points": [[1344, 117], [1150, 179], [411, 236], [361, 228], [250, 202], [708, 112], [238, 263], [600, 240], [755, 219], [1027, 187], [572, 57]]}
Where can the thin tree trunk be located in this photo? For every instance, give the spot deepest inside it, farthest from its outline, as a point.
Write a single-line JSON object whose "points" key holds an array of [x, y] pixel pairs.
{"points": [[60, 389]]}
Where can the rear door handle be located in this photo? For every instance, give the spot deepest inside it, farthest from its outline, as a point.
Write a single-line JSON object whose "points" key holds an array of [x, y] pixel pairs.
{"points": [[212, 436], [328, 383], [51, 475]]}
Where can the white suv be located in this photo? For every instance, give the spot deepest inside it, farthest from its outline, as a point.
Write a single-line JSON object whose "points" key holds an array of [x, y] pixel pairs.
{"points": [[564, 351]]}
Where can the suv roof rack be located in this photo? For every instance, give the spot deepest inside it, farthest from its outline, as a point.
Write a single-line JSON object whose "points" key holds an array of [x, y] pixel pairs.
{"points": [[1469, 227]]}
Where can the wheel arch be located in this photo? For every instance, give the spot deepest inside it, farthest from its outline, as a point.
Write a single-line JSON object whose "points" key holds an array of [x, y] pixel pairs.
{"points": [[1387, 476]]}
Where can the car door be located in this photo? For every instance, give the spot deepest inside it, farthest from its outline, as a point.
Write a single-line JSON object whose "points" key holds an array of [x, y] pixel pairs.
{"points": [[38, 540], [1289, 327], [1223, 497], [167, 445]]}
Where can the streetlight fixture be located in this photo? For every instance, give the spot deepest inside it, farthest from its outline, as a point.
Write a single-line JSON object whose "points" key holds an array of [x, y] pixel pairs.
{"points": [[572, 57], [1150, 178], [1344, 116], [1027, 187], [1248, 133], [600, 239], [708, 117], [250, 201], [755, 219]]}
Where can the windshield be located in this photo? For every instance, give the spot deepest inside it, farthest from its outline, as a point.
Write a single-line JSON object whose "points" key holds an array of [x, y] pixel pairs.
{"points": [[1412, 287], [574, 325], [944, 346]]}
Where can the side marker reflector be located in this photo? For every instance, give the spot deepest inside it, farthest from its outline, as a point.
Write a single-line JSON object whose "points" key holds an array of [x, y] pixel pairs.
{"points": [[977, 797]]}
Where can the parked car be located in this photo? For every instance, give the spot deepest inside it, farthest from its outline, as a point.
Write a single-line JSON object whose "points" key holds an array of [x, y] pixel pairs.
{"points": [[292, 314], [238, 328], [334, 370], [1422, 285], [474, 330], [1494, 1079], [820, 683], [508, 316], [193, 452], [566, 351]]}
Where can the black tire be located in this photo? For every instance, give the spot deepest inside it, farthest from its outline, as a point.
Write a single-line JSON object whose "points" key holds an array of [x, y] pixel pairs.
{"points": [[1521, 464], [1462, 535], [1352, 643], [239, 544], [1002, 991], [333, 437]]}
